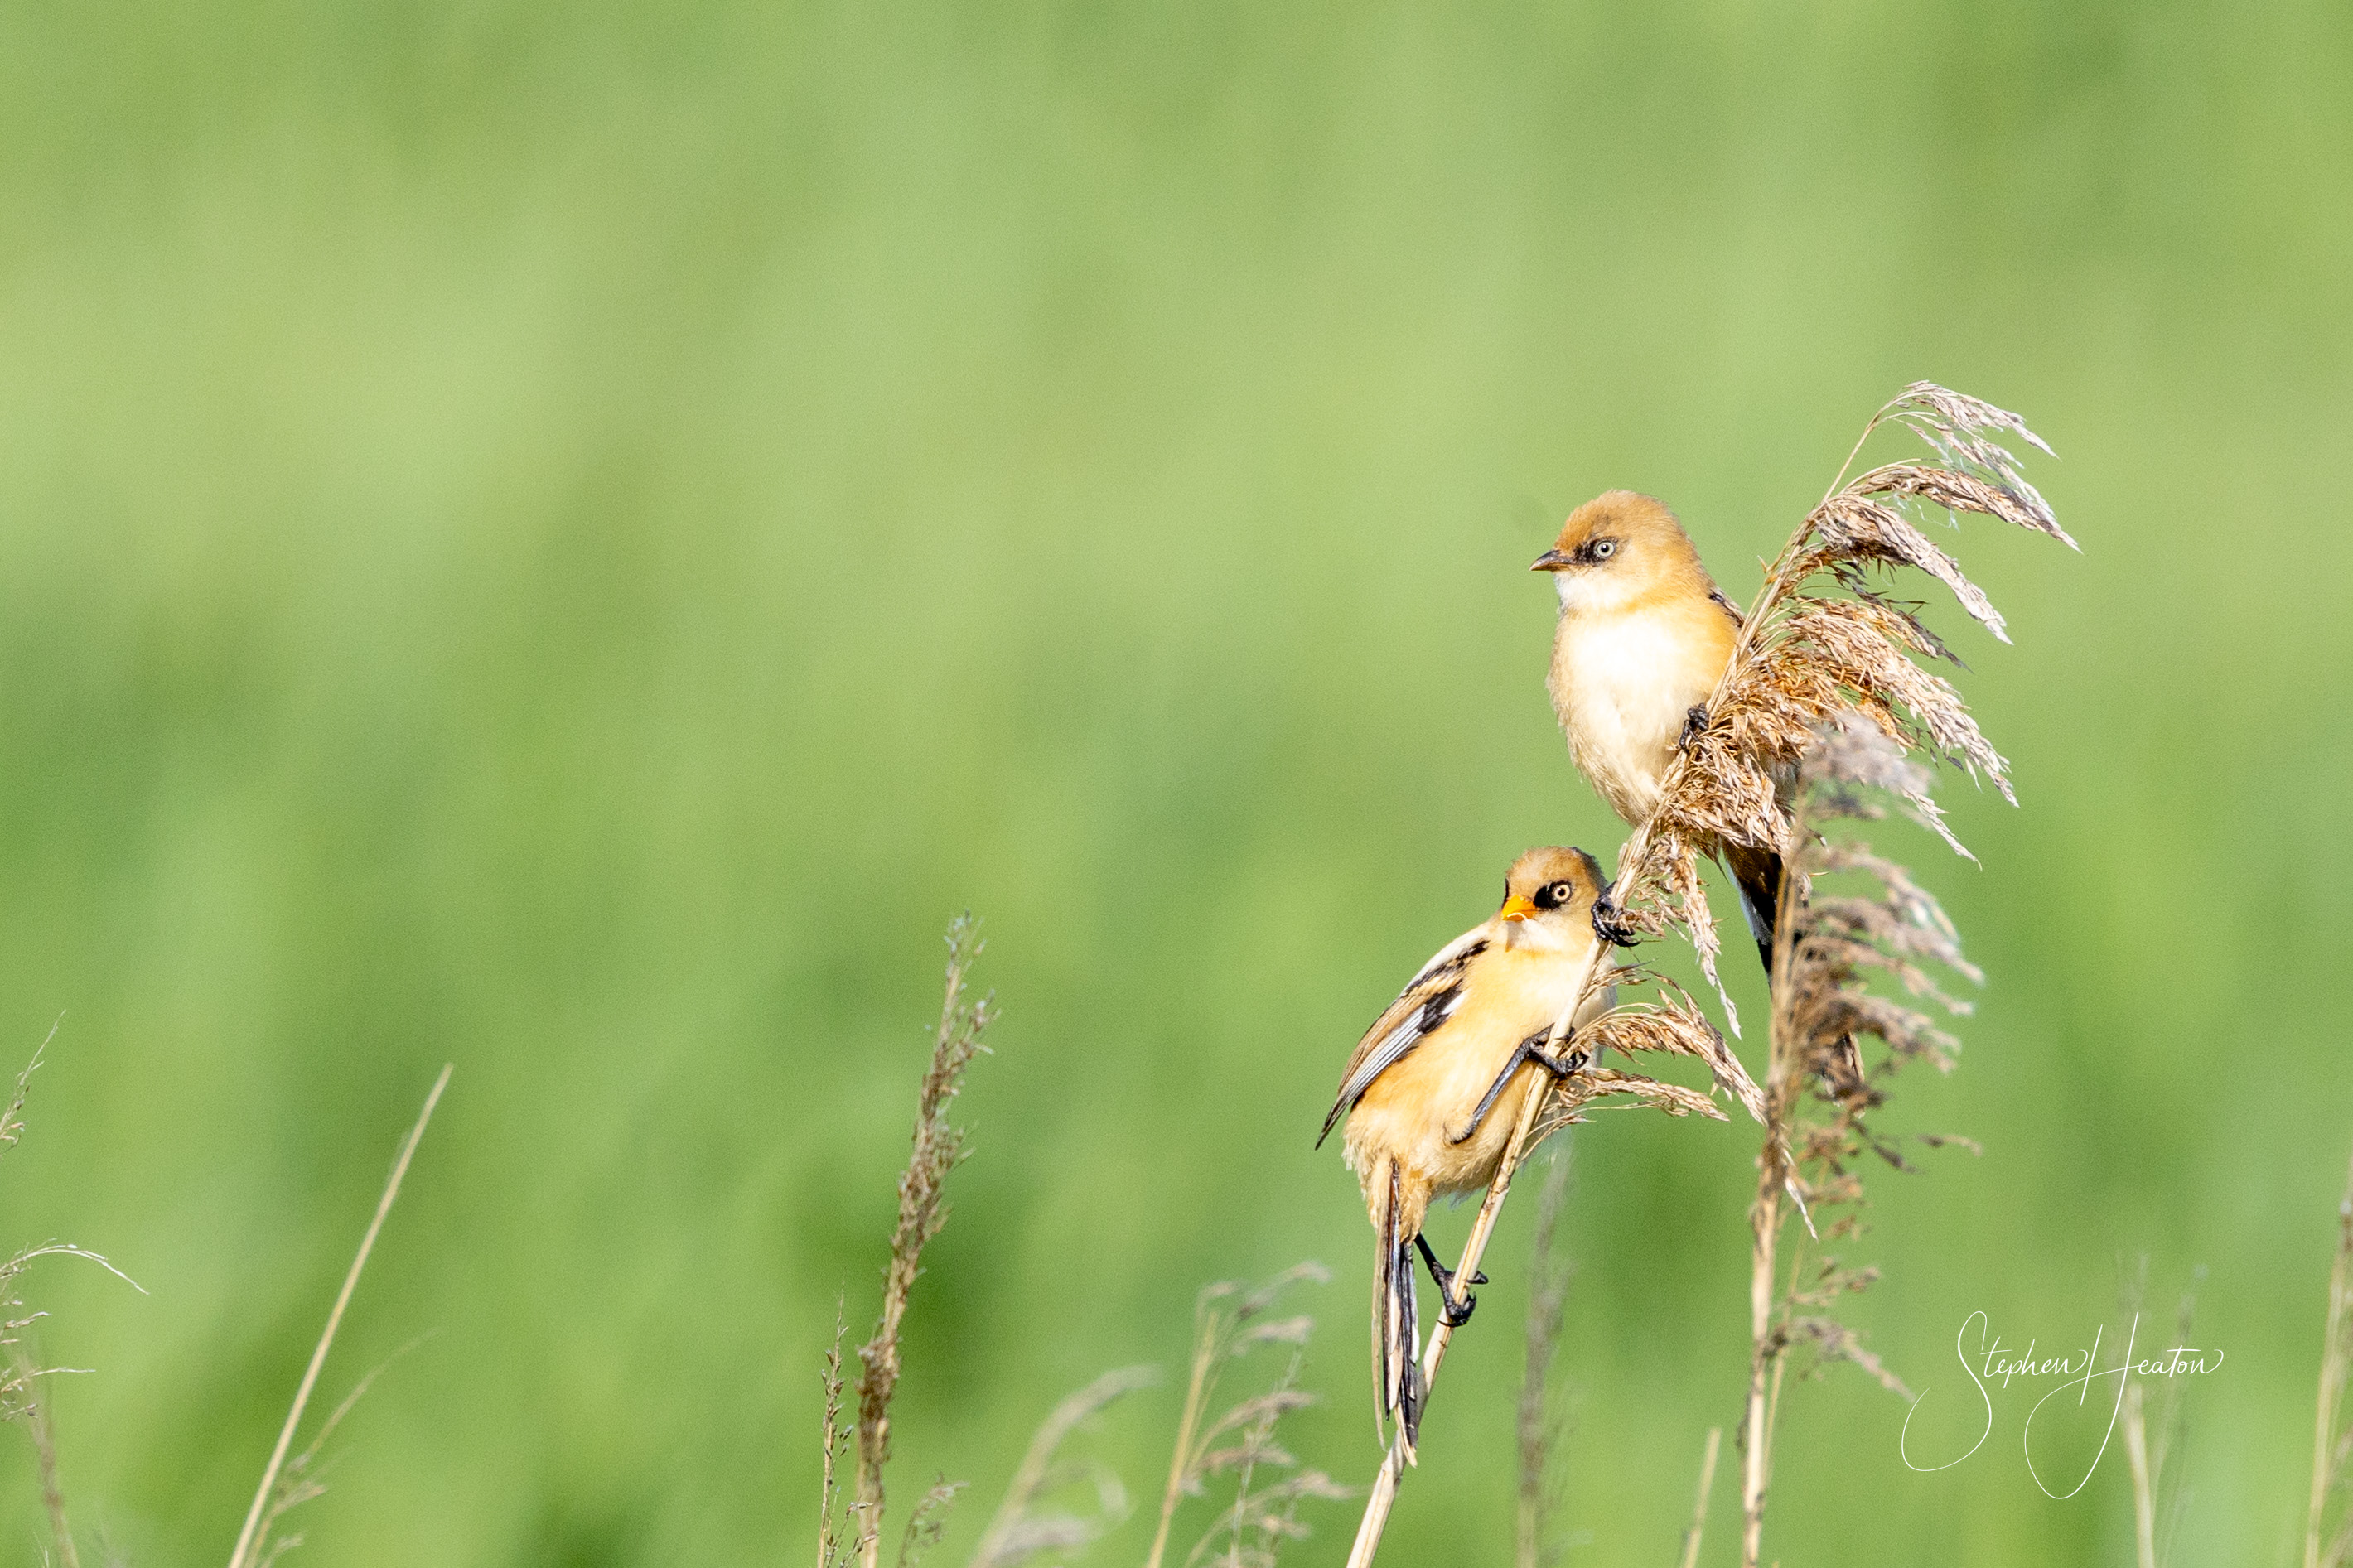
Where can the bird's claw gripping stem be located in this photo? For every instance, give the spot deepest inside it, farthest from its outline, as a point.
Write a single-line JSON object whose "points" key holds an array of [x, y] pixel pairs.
{"points": [[1454, 1317], [1610, 928]]}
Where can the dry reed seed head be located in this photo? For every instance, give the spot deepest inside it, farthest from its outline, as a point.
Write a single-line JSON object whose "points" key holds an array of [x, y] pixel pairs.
{"points": [[1957, 491], [1264, 1513], [1565, 1107], [926, 1524], [1839, 939], [1847, 752], [12, 1120], [1806, 659], [1955, 425], [1023, 1527], [1833, 1340], [1673, 1025], [1860, 529], [1264, 1295]]}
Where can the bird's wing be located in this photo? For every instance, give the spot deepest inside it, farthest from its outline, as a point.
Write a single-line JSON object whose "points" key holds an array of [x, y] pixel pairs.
{"points": [[1728, 607], [1424, 1005]]}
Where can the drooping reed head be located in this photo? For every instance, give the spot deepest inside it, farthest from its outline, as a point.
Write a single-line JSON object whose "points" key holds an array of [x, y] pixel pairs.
{"points": [[1823, 641]]}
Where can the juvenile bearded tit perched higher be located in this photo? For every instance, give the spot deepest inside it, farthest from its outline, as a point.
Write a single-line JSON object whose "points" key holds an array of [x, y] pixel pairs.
{"points": [[1438, 1083], [1644, 636]]}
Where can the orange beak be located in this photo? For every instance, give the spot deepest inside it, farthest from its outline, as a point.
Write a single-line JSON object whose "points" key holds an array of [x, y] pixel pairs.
{"points": [[1517, 909]]}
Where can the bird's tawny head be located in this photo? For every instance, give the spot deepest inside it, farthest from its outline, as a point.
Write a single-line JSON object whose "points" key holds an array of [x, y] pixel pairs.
{"points": [[1619, 547], [1551, 890]]}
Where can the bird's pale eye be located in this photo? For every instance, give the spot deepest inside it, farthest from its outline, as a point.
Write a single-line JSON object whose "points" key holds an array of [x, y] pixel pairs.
{"points": [[1603, 549], [1561, 892]]}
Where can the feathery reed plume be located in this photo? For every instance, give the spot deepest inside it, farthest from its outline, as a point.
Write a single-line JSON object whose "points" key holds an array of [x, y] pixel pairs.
{"points": [[922, 1209], [1802, 657], [1265, 1514], [1023, 1527], [15, 1399], [1699, 1507], [1826, 948], [837, 1448], [1229, 1321], [1538, 1427], [925, 1520], [249, 1541], [21, 1377], [2328, 1541]]}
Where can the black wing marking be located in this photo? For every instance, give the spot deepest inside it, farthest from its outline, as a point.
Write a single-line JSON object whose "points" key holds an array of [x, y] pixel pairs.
{"points": [[1729, 607], [1418, 1011]]}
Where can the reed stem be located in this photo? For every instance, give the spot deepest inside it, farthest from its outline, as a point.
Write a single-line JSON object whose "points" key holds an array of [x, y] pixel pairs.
{"points": [[241, 1556], [1699, 1509], [2332, 1382]]}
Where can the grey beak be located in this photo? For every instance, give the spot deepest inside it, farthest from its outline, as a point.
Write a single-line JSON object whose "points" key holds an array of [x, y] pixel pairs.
{"points": [[1551, 561]]}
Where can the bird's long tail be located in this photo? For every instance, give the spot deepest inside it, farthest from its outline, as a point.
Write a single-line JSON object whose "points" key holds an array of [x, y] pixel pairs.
{"points": [[1397, 1365], [1758, 873]]}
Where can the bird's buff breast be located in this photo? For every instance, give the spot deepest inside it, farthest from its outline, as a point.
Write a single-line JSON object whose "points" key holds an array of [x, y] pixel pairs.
{"points": [[1622, 684], [1414, 1111]]}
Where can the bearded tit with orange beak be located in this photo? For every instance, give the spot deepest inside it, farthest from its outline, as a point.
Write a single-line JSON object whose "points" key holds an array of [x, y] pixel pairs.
{"points": [[1437, 1085]]}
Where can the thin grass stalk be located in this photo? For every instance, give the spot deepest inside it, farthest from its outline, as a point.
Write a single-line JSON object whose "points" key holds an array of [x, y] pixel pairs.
{"points": [[247, 1543], [1756, 1423], [1765, 1217], [1196, 1395], [1699, 1508], [938, 1146], [2326, 1463], [2143, 1491], [298, 1483], [1228, 1322], [830, 1491], [45, 1453], [1002, 1542]]}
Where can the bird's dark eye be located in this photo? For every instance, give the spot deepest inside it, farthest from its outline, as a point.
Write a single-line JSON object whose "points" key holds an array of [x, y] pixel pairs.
{"points": [[1603, 549]]}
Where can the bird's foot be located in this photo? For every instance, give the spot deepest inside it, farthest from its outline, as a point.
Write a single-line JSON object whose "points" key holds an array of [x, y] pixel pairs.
{"points": [[1564, 1065], [1610, 928], [1695, 721], [1452, 1316]]}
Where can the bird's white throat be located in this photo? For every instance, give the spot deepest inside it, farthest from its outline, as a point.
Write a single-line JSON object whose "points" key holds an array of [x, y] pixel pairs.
{"points": [[1594, 592]]}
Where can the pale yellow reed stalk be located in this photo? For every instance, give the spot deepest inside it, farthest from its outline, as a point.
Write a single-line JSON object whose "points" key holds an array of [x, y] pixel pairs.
{"points": [[248, 1539]]}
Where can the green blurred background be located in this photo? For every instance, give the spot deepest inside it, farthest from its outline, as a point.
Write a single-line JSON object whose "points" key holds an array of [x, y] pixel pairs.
{"points": [[569, 539]]}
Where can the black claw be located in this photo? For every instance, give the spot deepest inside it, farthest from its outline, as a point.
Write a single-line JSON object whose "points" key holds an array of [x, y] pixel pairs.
{"points": [[1610, 928], [1695, 721], [1452, 1316]]}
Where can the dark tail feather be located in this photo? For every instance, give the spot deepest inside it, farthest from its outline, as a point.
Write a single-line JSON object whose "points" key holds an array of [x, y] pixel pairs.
{"points": [[1757, 872], [1843, 1071], [1396, 1316]]}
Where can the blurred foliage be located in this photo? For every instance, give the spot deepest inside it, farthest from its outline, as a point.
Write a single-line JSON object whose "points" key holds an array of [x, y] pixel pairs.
{"points": [[570, 537]]}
